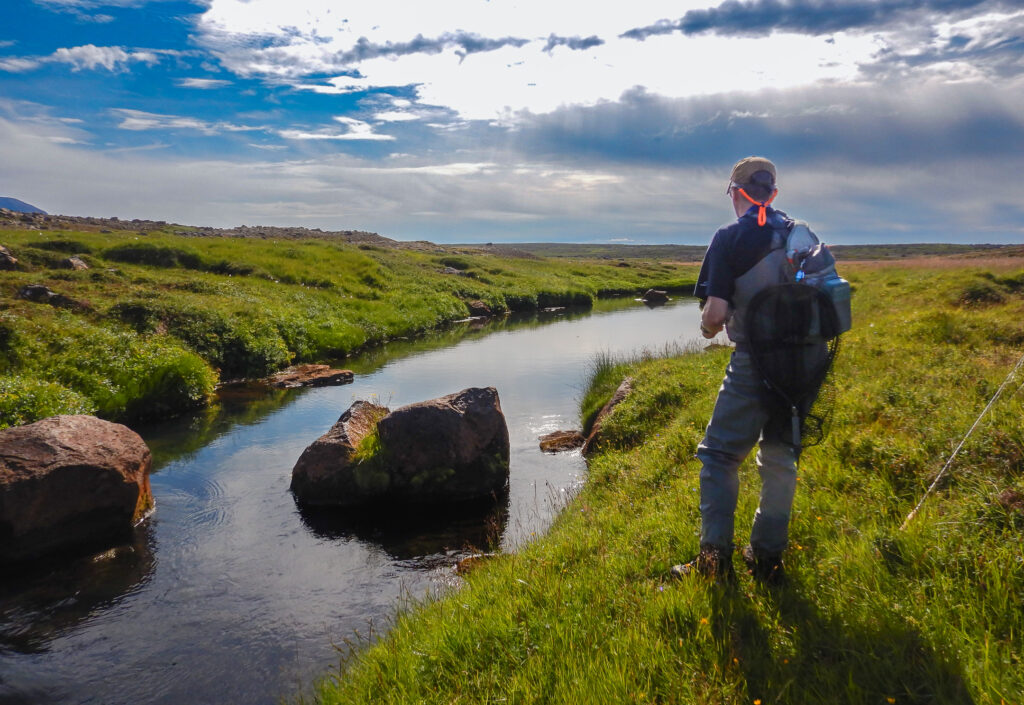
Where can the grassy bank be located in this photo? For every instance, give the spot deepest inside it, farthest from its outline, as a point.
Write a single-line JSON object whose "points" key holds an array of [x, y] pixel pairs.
{"points": [[869, 615], [159, 318]]}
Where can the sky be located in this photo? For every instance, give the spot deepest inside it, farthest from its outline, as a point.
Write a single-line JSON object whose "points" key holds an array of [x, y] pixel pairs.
{"points": [[519, 120]]}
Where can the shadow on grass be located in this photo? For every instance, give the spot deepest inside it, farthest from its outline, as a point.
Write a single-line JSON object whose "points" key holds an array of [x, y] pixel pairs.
{"points": [[858, 659]]}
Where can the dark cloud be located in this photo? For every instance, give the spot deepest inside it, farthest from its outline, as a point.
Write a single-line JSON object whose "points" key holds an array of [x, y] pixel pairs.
{"points": [[995, 50], [574, 43], [931, 124], [465, 43], [760, 17]]}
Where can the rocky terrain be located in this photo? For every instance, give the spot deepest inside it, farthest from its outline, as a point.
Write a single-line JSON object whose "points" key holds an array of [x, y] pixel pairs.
{"points": [[15, 220]]}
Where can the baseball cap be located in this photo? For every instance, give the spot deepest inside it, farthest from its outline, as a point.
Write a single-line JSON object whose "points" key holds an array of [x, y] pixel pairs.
{"points": [[748, 171]]}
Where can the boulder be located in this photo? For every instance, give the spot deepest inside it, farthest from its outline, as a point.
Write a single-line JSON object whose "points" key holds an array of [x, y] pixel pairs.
{"points": [[38, 293], [478, 308], [328, 473], [41, 294], [74, 263], [655, 296], [310, 376], [7, 260], [558, 441], [69, 481], [594, 439], [451, 449]]}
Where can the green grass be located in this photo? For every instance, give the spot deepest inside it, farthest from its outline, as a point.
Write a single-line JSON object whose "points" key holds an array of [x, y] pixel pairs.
{"points": [[587, 614], [159, 318]]}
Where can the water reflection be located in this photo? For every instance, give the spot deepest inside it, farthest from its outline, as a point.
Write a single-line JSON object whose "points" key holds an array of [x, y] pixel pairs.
{"points": [[429, 535], [40, 602]]}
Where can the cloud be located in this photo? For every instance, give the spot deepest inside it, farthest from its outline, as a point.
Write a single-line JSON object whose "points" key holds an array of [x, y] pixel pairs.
{"points": [[90, 56], [928, 124], [203, 83], [16, 64], [574, 43], [357, 130], [760, 17], [86, 57], [990, 48], [138, 120], [491, 198], [396, 116]]}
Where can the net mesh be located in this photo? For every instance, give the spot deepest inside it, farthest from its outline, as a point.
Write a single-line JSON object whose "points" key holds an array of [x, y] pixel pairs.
{"points": [[793, 334]]}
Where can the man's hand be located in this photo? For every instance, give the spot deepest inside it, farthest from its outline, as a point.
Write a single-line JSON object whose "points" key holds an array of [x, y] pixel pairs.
{"points": [[713, 318]]}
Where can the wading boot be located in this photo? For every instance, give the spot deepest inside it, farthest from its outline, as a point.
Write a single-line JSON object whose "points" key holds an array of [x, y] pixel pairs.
{"points": [[712, 561], [764, 567]]}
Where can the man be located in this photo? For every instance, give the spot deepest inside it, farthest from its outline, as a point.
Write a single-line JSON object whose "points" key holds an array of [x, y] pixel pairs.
{"points": [[734, 267]]}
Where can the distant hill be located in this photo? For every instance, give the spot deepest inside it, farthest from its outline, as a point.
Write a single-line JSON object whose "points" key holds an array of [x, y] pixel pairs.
{"points": [[13, 204]]}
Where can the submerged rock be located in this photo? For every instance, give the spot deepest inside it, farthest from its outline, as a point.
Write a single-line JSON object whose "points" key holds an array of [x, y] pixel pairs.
{"points": [[451, 449], [655, 296], [310, 376], [559, 441], [68, 481]]}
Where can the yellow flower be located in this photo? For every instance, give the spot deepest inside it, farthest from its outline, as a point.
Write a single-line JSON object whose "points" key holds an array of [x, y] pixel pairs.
{"points": [[757, 702], [890, 700], [703, 620]]}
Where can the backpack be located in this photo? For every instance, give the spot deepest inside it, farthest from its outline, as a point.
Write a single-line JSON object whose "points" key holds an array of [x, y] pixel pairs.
{"points": [[793, 331]]}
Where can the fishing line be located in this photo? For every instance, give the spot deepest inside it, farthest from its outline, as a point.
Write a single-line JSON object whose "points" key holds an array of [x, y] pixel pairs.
{"points": [[938, 478]]}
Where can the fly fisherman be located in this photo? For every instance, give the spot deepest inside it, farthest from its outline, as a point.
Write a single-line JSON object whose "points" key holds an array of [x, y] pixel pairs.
{"points": [[729, 277]]}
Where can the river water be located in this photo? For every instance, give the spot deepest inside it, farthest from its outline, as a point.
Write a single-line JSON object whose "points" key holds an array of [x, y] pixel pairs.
{"points": [[230, 594]]}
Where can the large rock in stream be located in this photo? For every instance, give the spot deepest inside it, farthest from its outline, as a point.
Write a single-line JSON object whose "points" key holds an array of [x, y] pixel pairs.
{"points": [[451, 449], [69, 481]]}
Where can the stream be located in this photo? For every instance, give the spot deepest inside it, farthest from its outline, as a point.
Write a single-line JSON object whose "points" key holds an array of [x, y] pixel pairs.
{"points": [[230, 594]]}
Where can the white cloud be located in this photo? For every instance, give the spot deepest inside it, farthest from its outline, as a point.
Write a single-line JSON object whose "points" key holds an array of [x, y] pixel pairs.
{"points": [[87, 57], [357, 130], [203, 83], [138, 120], [308, 37], [90, 56], [396, 116], [17, 64]]}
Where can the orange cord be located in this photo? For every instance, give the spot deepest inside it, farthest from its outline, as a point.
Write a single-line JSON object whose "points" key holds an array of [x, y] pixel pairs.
{"points": [[762, 214]]}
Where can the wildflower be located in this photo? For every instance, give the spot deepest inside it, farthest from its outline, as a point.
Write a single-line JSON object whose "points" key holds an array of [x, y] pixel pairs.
{"points": [[703, 620], [890, 700], [757, 702]]}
